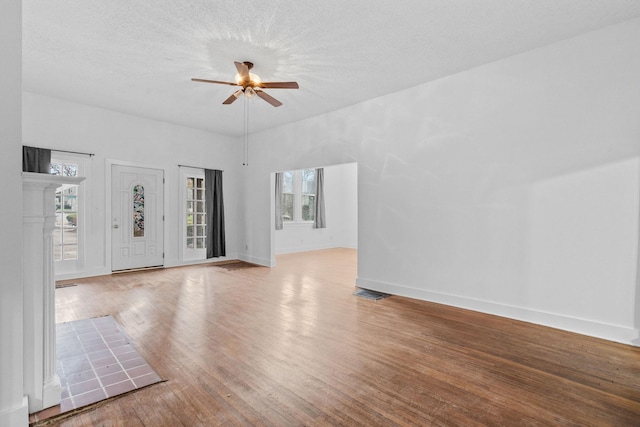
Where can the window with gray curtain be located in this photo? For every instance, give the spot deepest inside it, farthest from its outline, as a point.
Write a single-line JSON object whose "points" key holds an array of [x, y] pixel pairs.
{"points": [[36, 159], [278, 202], [216, 245], [320, 220]]}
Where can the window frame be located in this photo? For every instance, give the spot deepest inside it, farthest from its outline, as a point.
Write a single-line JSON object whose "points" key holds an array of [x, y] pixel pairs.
{"points": [[291, 193], [298, 198]]}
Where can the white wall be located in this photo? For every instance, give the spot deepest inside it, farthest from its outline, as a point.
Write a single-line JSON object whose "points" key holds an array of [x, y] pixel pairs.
{"points": [[121, 138], [13, 404], [511, 188], [341, 209]]}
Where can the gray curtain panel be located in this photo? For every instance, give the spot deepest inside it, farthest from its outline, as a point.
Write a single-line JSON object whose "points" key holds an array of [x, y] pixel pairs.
{"points": [[278, 203], [36, 159], [320, 221], [216, 245]]}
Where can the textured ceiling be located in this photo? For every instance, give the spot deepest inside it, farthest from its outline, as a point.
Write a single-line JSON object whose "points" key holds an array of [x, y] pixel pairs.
{"points": [[138, 56]]}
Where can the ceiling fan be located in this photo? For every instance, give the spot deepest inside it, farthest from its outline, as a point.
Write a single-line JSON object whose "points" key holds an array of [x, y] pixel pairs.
{"points": [[251, 85]]}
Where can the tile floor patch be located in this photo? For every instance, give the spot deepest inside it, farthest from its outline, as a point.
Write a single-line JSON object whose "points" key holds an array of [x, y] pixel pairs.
{"points": [[95, 361]]}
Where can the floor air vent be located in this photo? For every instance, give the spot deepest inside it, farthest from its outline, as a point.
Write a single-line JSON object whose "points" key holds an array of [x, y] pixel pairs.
{"points": [[368, 294]]}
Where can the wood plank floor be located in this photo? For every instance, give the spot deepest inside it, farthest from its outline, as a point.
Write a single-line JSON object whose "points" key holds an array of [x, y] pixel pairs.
{"points": [[291, 346]]}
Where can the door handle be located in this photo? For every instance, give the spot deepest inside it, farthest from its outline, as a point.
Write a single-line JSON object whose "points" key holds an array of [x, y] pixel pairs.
{"points": [[115, 226]]}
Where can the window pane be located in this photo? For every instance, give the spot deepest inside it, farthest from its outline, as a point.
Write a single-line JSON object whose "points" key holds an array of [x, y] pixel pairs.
{"points": [[56, 169], [200, 243], [57, 243], [287, 207], [65, 234], [57, 252], [308, 207], [70, 204], [287, 182], [138, 211], [190, 242], [190, 182], [70, 252], [71, 220], [189, 230], [308, 181], [70, 170], [200, 183]]}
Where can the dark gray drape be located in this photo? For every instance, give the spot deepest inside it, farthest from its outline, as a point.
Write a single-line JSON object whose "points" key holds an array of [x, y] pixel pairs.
{"points": [[278, 203], [36, 159], [216, 245], [320, 220]]}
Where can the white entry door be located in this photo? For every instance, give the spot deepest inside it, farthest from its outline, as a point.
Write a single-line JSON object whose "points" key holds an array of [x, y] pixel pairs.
{"points": [[137, 217]]}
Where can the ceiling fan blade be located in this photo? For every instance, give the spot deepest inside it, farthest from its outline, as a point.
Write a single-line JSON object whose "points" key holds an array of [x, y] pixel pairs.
{"points": [[243, 70], [270, 99], [214, 81], [279, 85], [233, 97]]}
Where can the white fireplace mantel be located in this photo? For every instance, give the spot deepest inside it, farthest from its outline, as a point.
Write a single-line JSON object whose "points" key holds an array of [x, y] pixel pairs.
{"points": [[41, 382]]}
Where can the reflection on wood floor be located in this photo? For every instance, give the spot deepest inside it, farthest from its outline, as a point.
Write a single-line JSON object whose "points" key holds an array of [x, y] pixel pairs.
{"points": [[291, 345]]}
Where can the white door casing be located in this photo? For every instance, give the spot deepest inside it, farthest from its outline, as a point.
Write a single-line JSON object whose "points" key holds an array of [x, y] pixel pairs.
{"points": [[137, 232]]}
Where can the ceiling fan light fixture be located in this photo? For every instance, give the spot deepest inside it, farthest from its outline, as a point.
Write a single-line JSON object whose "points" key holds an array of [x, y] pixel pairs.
{"points": [[254, 79], [249, 92]]}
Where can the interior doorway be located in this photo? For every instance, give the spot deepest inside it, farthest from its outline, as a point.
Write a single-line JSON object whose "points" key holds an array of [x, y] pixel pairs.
{"points": [[341, 209]]}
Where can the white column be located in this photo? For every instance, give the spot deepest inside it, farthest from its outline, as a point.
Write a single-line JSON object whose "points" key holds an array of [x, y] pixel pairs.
{"points": [[41, 382]]}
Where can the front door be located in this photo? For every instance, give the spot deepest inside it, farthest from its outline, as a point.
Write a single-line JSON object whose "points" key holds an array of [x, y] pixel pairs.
{"points": [[137, 217]]}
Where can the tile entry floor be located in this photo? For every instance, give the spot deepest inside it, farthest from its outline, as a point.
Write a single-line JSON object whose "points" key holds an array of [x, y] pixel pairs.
{"points": [[96, 361]]}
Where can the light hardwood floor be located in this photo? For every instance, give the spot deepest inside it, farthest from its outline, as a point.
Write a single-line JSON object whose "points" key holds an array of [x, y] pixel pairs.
{"points": [[291, 346]]}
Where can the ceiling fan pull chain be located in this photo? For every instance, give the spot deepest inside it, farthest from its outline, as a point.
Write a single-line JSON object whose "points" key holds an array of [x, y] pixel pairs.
{"points": [[246, 132]]}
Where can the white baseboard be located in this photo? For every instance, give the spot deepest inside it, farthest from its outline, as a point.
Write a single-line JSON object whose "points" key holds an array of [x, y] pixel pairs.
{"points": [[16, 417], [621, 334], [101, 271], [255, 260], [296, 249], [178, 263], [104, 271]]}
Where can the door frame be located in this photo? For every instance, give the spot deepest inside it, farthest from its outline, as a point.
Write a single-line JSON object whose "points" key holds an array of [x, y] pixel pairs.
{"points": [[107, 224], [72, 268]]}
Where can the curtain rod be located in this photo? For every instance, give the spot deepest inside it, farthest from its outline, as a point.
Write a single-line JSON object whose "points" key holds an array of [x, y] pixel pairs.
{"points": [[196, 167], [73, 152]]}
